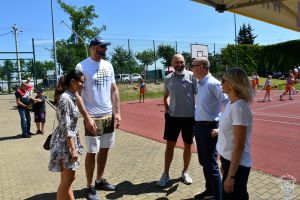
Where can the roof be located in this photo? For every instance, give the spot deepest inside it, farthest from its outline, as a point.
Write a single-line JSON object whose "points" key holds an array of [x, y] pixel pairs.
{"points": [[284, 13]]}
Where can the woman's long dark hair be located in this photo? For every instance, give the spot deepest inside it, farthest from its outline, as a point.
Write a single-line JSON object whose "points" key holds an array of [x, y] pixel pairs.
{"points": [[64, 82]]}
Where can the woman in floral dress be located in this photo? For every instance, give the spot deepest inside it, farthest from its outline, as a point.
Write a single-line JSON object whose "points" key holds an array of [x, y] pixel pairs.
{"points": [[65, 144]]}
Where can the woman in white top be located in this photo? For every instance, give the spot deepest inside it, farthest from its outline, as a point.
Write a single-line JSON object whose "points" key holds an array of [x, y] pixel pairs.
{"points": [[234, 135]]}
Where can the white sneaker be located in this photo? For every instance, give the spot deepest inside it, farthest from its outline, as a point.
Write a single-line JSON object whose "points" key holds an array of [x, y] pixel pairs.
{"points": [[186, 178], [164, 179]]}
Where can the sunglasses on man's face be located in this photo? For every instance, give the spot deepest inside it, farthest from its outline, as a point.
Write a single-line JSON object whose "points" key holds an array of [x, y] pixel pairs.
{"points": [[102, 46]]}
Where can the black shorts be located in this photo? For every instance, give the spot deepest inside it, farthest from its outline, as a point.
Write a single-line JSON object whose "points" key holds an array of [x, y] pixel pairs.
{"points": [[173, 126], [40, 117]]}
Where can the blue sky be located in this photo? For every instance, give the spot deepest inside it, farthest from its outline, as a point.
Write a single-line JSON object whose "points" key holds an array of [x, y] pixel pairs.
{"points": [[141, 21]]}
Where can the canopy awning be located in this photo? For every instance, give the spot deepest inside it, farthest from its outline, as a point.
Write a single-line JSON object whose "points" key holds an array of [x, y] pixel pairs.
{"points": [[284, 13]]}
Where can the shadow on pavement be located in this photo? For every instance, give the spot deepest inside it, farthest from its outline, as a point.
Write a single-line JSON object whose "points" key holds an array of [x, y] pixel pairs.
{"points": [[208, 198], [11, 137], [45, 196], [192, 199], [127, 188], [50, 196], [14, 108]]}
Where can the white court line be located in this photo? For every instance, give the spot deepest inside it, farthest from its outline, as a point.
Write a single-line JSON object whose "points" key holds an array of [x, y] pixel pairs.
{"points": [[263, 113], [272, 97], [280, 122], [278, 115], [282, 104]]}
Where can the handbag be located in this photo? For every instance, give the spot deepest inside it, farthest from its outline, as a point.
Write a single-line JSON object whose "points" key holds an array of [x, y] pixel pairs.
{"points": [[46, 145], [47, 142], [104, 125]]}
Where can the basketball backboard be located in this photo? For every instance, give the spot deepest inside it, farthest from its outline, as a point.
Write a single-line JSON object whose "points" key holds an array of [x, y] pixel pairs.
{"points": [[199, 50]]}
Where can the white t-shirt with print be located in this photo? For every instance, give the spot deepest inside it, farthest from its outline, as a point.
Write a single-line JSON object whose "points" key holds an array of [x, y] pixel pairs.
{"points": [[96, 92], [237, 113]]}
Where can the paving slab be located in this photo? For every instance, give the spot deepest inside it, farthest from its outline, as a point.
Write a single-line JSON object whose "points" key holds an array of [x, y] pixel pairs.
{"points": [[135, 164]]}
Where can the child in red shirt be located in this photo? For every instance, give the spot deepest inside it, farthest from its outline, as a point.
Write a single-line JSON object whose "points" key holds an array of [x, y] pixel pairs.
{"points": [[142, 86]]}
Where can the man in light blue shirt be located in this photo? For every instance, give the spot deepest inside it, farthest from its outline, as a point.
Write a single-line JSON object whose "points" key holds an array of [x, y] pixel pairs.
{"points": [[209, 101]]}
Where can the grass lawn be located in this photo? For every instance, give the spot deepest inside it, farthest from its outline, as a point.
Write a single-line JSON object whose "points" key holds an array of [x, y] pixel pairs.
{"points": [[128, 93]]}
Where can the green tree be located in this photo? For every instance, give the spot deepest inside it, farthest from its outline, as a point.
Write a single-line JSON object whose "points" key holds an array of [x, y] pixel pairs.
{"points": [[249, 57], [188, 59], [1, 72], [166, 52], [82, 20], [40, 67], [73, 50], [26, 71], [246, 35], [124, 61], [7, 70], [216, 66], [146, 57], [280, 57], [263, 59]]}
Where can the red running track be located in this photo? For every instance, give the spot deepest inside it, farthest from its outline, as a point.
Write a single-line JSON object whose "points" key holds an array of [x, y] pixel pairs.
{"points": [[276, 131]]}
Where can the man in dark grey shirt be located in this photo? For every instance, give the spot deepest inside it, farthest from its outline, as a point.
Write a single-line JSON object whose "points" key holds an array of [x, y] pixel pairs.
{"points": [[180, 89]]}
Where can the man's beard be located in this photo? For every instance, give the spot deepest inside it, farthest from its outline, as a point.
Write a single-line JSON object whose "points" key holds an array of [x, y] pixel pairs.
{"points": [[101, 53], [179, 70]]}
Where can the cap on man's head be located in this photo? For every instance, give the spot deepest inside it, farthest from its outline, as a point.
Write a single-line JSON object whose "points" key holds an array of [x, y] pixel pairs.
{"points": [[39, 90], [99, 41]]}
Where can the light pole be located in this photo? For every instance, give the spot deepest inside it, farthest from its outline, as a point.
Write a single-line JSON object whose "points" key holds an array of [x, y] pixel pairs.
{"points": [[15, 30], [54, 44], [51, 51], [236, 45], [86, 49]]}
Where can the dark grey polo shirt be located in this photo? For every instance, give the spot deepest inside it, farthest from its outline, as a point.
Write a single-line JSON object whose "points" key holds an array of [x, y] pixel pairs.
{"points": [[181, 90]]}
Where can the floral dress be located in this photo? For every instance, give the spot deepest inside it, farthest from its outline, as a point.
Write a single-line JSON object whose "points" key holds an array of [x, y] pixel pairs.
{"points": [[67, 115]]}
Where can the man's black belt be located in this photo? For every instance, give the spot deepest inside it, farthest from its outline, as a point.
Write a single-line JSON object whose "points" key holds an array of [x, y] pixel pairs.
{"points": [[206, 123]]}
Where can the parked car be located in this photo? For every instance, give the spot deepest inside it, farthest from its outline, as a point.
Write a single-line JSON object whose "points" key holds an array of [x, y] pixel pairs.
{"points": [[122, 78], [136, 77]]}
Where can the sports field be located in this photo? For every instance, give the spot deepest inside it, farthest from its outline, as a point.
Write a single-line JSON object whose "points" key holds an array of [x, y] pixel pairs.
{"points": [[276, 129]]}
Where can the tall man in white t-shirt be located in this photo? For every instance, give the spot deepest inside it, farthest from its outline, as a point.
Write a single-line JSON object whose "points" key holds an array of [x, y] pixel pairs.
{"points": [[101, 110]]}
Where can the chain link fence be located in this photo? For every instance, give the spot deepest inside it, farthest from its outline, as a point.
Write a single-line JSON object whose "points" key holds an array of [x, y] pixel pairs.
{"points": [[42, 50]]}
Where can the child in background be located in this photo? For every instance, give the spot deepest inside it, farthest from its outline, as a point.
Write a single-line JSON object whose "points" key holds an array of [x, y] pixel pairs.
{"points": [[255, 82], [142, 86], [39, 111], [293, 82], [288, 87], [267, 87]]}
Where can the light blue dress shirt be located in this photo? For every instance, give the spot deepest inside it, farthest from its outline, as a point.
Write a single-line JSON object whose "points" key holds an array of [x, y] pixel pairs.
{"points": [[209, 99]]}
